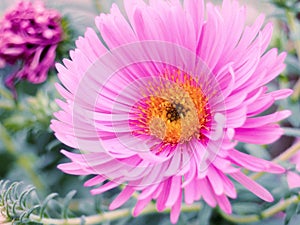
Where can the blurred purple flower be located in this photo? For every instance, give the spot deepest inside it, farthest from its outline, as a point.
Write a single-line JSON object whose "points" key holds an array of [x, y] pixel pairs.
{"points": [[29, 33]]}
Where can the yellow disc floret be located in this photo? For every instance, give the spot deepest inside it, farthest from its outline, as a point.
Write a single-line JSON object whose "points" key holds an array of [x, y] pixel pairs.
{"points": [[174, 110]]}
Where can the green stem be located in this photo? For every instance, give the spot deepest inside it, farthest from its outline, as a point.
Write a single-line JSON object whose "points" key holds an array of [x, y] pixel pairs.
{"points": [[291, 131], [108, 216], [121, 213], [273, 210], [289, 153]]}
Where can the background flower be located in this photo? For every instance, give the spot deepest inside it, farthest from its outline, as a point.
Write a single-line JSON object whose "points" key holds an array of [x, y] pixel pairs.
{"points": [[29, 34]]}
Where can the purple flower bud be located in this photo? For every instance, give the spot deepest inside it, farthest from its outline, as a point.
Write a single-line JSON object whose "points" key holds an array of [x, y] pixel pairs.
{"points": [[29, 33]]}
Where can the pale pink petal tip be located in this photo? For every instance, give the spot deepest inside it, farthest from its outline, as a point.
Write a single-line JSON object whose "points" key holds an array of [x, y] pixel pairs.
{"points": [[293, 180], [252, 186]]}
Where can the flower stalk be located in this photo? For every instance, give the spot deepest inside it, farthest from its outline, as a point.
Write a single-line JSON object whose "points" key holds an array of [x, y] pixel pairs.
{"points": [[267, 213], [122, 213], [109, 216]]}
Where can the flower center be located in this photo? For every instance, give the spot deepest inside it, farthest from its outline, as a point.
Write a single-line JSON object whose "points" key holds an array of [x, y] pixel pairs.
{"points": [[174, 110]]}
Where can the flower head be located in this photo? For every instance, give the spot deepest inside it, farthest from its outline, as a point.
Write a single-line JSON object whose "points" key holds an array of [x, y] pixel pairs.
{"points": [[29, 33], [161, 106]]}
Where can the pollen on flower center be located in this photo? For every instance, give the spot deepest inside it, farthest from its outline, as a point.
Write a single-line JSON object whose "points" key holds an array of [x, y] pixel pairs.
{"points": [[174, 109]]}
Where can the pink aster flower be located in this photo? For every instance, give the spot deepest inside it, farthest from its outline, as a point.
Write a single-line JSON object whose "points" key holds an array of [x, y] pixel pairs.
{"points": [[29, 33], [162, 104]]}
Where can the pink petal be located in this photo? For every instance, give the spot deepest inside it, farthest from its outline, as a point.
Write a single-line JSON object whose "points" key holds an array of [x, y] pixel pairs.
{"points": [[175, 211], [253, 163], [121, 198], [293, 180], [196, 9], [264, 120], [95, 180], [215, 180], [224, 204], [174, 191], [163, 196], [140, 205], [259, 135], [108, 186], [252, 186], [207, 192], [190, 192], [211, 43]]}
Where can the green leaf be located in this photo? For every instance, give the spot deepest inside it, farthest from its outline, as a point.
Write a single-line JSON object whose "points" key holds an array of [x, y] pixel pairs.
{"points": [[66, 203], [45, 202], [292, 65], [204, 215], [243, 208], [290, 212]]}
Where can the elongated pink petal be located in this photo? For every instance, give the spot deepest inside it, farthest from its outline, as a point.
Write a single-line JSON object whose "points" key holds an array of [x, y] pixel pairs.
{"points": [[175, 211], [253, 163], [259, 135], [252, 186], [121, 198]]}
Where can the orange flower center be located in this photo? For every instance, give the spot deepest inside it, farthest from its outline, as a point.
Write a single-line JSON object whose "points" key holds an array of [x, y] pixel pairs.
{"points": [[174, 110]]}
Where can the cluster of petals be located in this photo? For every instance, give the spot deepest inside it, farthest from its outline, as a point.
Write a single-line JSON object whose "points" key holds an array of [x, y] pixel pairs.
{"points": [[29, 35], [238, 61]]}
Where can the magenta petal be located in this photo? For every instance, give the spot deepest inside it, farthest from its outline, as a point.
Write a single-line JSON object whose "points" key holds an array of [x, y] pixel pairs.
{"points": [[72, 168], [259, 135], [207, 192], [163, 196], [94, 181], [224, 204], [264, 120], [215, 180], [140, 205], [252, 186], [105, 187], [254, 163], [121, 198], [281, 94], [174, 191], [175, 211]]}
